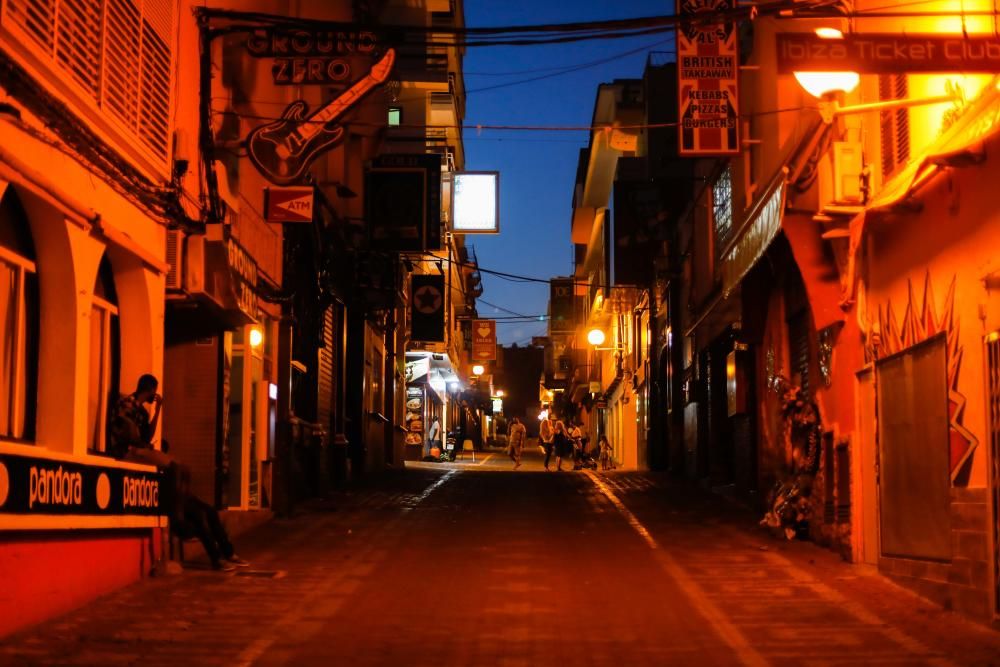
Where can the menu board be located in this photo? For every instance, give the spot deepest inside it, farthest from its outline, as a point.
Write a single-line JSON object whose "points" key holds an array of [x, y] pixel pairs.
{"points": [[414, 415]]}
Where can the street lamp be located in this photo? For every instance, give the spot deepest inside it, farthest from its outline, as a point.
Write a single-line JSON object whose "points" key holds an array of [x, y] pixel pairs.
{"points": [[596, 337], [478, 369], [826, 85], [499, 393], [256, 337]]}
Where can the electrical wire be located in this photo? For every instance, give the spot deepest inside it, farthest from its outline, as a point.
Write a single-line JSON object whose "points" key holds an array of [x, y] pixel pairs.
{"points": [[568, 70], [509, 128]]}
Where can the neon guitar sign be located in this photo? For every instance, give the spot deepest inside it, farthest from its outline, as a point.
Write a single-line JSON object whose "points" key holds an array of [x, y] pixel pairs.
{"points": [[284, 149]]}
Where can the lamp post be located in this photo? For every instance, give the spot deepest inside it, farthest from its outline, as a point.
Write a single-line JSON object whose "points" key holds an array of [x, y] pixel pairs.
{"points": [[827, 86]]}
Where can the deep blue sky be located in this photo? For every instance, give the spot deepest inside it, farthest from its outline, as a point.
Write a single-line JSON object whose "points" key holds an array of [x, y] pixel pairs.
{"points": [[537, 169]]}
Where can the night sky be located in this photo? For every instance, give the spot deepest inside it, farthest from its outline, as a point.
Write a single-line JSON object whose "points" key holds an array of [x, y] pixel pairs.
{"points": [[537, 169]]}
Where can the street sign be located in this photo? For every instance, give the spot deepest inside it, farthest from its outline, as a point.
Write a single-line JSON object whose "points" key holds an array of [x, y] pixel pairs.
{"points": [[289, 204], [893, 53], [484, 340], [707, 80]]}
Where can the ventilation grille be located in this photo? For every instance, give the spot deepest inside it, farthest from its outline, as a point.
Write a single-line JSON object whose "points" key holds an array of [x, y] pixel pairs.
{"points": [[175, 271], [117, 53]]}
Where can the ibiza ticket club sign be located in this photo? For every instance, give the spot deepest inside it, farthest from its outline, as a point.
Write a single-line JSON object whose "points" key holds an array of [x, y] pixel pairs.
{"points": [[876, 53], [707, 79], [283, 150]]}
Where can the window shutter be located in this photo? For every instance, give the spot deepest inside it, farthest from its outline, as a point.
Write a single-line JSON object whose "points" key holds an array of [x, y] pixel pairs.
{"points": [[894, 125], [117, 51]]}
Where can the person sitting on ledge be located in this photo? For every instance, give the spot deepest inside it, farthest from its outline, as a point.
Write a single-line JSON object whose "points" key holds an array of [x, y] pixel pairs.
{"points": [[130, 438]]}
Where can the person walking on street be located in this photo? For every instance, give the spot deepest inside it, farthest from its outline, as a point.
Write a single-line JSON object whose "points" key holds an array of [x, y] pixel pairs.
{"points": [[546, 431], [606, 453], [562, 444], [515, 441], [433, 437], [575, 434]]}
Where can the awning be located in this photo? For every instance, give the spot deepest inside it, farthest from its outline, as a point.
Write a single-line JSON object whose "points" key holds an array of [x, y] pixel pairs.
{"points": [[754, 237], [960, 145]]}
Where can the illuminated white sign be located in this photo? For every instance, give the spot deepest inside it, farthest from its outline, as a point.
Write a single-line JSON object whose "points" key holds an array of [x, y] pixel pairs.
{"points": [[475, 203]]}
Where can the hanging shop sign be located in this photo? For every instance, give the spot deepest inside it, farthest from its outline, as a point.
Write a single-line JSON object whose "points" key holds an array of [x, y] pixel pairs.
{"points": [[484, 340], [475, 202], [561, 305], [403, 203], [284, 150], [876, 53], [289, 204], [707, 79], [310, 57], [637, 215], [40, 486], [427, 309]]}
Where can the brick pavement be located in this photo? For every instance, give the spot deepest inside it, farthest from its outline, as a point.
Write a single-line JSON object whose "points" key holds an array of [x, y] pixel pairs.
{"points": [[471, 564]]}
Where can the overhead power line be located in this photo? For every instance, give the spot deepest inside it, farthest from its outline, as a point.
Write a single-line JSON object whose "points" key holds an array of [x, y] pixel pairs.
{"points": [[507, 127]]}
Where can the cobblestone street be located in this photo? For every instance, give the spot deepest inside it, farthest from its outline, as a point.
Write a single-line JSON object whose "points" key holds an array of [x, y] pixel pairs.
{"points": [[472, 564]]}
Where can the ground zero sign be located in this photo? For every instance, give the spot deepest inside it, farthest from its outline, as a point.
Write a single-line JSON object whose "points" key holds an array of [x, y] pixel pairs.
{"points": [[707, 80]]}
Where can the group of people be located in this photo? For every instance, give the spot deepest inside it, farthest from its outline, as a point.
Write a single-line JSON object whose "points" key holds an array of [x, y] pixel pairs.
{"points": [[557, 439], [131, 430]]}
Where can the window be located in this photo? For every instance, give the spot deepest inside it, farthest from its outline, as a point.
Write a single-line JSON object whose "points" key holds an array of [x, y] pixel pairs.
{"points": [[894, 126], [395, 116], [117, 53], [722, 207], [18, 323], [104, 338]]}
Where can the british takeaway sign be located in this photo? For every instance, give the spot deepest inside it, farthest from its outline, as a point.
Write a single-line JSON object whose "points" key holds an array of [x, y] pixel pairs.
{"points": [[707, 80]]}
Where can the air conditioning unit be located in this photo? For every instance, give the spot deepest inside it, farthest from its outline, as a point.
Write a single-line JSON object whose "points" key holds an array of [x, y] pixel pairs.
{"points": [[847, 169], [186, 259]]}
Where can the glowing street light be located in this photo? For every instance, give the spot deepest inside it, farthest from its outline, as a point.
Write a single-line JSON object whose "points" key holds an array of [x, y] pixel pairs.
{"points": [[596, 337], [499, 393], [823, 84], [478, 369], [256, 337], [826, 85]]}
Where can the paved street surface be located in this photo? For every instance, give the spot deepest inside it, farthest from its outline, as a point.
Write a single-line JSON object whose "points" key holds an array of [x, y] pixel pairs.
{"points": [[472, 564]]}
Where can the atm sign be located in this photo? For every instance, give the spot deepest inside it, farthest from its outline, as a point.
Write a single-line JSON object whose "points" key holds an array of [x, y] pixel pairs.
{"points": [[289, 204]]}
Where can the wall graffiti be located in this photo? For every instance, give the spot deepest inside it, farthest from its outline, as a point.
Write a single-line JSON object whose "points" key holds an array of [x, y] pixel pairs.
{"points": [[886, 335]]}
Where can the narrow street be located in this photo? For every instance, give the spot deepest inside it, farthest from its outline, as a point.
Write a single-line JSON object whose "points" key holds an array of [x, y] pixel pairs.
{"points": [[471, 564]]}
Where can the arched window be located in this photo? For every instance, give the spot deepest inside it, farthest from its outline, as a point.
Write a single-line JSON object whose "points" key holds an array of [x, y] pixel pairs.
{"points": [[18, 322], [104, 356]]}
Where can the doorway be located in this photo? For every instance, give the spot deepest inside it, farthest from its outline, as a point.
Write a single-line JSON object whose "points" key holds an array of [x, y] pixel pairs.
{"points": [[914, 480], [866, 467]]}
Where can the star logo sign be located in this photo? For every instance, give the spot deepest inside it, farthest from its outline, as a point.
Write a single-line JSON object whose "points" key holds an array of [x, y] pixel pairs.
{"points": [[428, 299]]}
